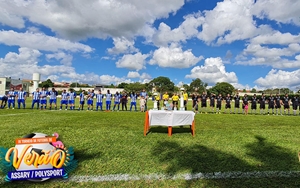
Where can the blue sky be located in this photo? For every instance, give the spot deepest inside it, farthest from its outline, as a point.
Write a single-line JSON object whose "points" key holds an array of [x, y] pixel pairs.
{"points": [[250, 44]]}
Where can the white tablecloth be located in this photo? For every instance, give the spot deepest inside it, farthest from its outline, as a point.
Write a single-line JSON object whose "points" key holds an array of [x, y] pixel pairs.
{"points": [[170, 118]]}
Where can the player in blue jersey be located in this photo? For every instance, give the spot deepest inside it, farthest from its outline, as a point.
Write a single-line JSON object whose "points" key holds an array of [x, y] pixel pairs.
{"points": [[133, 98], [11, 98], [145, 95], [43, 98], [72, 96], [3, 101], [81, 100], [36, 98], [64, 99], [21, 95], [99, 100], [90, 99], [53, 98], [117, 98], [108, 100]]}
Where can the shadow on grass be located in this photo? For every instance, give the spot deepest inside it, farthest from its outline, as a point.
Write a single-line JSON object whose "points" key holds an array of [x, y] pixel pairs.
{"points": [[175, 130], [198, 158], [271, 156], [85, 155]]}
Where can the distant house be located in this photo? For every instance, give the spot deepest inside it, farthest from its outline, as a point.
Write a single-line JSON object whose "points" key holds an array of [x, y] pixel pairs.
{"points": [[61, 84]]}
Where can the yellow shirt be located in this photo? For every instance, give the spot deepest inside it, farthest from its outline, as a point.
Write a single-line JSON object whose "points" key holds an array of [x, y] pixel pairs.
{"points": [[166, 97], [157, 98], [175, 98], [185, 96]]}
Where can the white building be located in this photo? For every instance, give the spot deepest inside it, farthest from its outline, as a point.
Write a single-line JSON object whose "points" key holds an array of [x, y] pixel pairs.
{"points": [[7, 82]]}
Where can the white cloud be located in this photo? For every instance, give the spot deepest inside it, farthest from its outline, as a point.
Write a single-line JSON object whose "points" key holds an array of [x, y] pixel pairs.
{"points": [[187, 30], [213, 71], [230, 20], [132, 61], [276, 37], [41, 41], [133, 74], [79, 19], [108, 79], [145, 76], [286, 11], [65, 59], [53, 78], [26, 62], [174, 57], [122, 45], [280, 79]]}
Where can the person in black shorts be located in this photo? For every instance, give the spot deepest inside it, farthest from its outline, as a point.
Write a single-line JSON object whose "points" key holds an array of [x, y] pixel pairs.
{"points": [[3, 101], [245, 102], [228, 103], [262, 104], [271, 103], [286, 104], [219, 103], [203, 102], [194, 99], [237, 103], [278, 103], [295, 102], [253, 104], [212, 102]]}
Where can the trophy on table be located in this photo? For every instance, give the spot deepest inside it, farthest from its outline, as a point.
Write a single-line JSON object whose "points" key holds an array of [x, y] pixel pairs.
{"points": [[154, 93], [182, 99]]}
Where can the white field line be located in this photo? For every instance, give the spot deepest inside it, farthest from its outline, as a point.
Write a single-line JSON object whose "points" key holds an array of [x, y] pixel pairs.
{"points": [[187, 176]]}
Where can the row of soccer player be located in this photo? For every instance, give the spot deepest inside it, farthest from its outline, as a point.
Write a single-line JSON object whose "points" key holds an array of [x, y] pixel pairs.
{"points": [[39, 98], [275, 103]]}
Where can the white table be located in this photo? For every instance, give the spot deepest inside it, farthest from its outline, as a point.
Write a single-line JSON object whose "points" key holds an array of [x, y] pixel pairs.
{"points": [[169, 119]]}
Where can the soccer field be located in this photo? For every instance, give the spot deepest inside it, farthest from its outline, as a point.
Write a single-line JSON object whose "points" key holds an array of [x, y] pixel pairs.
{"points": [[229, 150]]}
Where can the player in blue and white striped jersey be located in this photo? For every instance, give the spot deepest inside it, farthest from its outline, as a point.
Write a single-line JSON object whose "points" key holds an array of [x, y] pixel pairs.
{"points": [[90, 99], [21, 95], [43, 98], [81, 100], [53, 98], [72, 96], [108, 100], [133, 98], [64, 99], [36, 98], [99, 100], [117, 98], [11, 98]]}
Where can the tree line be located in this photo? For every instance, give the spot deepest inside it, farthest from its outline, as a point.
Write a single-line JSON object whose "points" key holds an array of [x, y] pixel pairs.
{"points": [[164, 84]]}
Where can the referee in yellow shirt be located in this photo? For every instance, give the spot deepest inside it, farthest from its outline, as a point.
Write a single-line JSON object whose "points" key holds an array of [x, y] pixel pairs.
{"points": [[157, 98], [175, 99], [185, 99]]}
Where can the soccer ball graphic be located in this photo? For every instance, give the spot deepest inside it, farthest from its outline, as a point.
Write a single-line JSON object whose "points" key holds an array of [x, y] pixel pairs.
{"points": [[38, 149]]}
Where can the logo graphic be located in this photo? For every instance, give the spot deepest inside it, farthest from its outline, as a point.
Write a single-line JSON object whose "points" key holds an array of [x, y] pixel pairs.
{"points": [[37, 157]]}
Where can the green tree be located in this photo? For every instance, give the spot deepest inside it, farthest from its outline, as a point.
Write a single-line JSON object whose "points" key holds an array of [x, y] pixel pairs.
{"points": [[134, 87], [197, 85], [161, 83], [46, 84], [75, 84], [122, 85], [224, 88], [253, 90]]}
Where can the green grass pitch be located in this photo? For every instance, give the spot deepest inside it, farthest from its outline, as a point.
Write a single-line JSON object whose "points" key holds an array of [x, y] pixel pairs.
{"points": [[109, 143]]}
